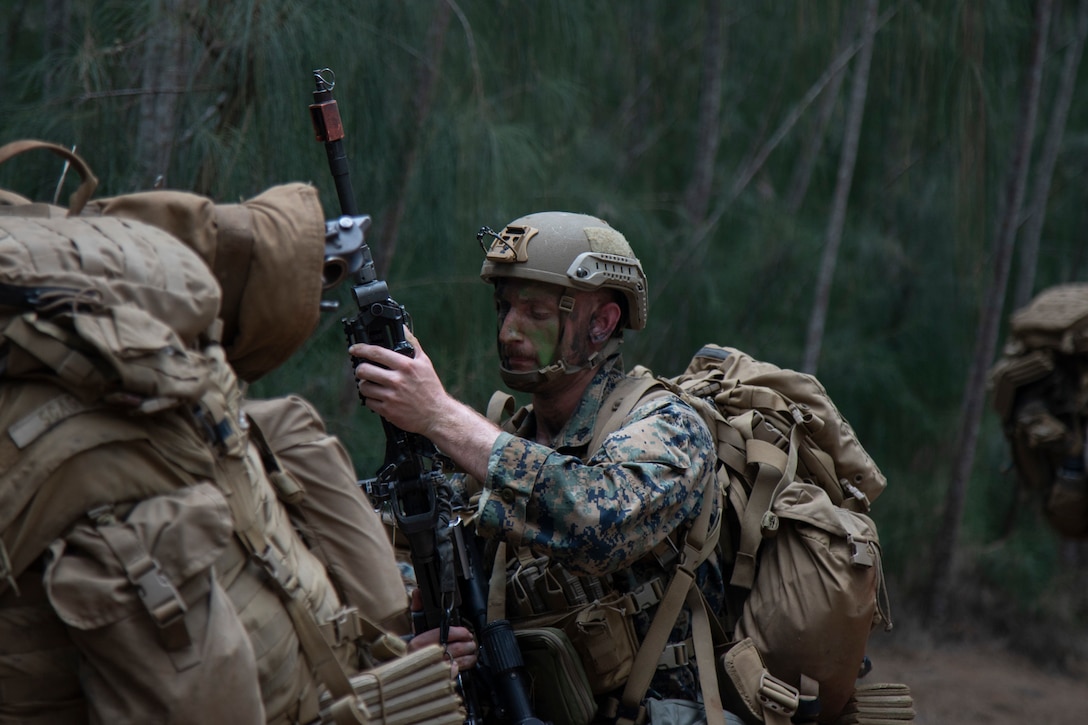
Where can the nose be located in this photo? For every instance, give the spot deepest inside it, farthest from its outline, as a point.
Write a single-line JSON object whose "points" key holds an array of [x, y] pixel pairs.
{"points": [[508, 328]]}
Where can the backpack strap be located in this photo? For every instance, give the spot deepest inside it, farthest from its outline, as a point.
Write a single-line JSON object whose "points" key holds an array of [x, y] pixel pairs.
{"points": [[698, 543], [775, 470], [267, 555], [624, 398], [500, 407]]}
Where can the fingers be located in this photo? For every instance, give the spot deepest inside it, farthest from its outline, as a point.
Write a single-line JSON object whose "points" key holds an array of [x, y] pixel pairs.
{"points": [[382, 355], [460, 647], [377, 354]]}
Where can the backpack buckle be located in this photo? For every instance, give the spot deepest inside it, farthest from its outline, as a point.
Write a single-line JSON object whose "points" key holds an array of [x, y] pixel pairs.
{"points": [[859, 552], [644, 596], [777, 696], [676, 654], [768, 525]]}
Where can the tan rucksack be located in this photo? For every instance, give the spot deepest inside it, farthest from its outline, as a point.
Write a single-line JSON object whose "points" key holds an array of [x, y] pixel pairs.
{"points": [[804, 555], [108, 354], [1039, 388]]}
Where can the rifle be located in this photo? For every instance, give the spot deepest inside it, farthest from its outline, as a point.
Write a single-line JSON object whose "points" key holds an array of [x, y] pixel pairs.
{"points": [[503, 666], [411, 473], [411, 479]]}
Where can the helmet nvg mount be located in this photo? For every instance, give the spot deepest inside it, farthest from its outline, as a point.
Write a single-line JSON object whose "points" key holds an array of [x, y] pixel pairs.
{"points": [[570, 250], [573, 252]]}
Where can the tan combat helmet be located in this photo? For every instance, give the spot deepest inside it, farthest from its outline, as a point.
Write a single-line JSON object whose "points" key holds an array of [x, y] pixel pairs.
{"points": [[574, 252]]}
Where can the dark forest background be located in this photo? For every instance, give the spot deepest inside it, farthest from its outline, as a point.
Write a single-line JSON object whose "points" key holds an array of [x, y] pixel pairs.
{"points": [[857, 188]]}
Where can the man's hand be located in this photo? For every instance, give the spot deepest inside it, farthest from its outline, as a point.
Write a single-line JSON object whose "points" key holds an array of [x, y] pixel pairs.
{"points": [[407, 392], [460, 645], [404, 390]]}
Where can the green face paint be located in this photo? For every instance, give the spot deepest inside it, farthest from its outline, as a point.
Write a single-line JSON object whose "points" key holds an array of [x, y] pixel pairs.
{"points": [[529, 320]]}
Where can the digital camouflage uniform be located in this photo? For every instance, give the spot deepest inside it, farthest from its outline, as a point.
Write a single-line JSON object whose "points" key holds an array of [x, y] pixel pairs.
{"points": [[602, 513]]}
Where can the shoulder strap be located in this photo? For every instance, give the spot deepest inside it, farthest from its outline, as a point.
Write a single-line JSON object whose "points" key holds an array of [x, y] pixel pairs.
{"points": [[500, 407], [706, 631], [698, 543], [618, 405]]}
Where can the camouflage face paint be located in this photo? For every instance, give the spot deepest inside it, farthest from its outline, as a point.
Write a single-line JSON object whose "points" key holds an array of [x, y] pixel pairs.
{"points": [[529, 322]]}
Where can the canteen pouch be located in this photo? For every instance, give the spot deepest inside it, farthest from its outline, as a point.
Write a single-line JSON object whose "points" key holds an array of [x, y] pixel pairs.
{"points": [[561, 693], [604, 638]]}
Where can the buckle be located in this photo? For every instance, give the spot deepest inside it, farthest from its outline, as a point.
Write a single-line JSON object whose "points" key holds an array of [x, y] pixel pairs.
{"points": [[860, 555], [776, 695], [159, 595], [277, 571], [345, 625], [676, 654], [666, 553], [643, 597], [102, 515], [768, 525]]}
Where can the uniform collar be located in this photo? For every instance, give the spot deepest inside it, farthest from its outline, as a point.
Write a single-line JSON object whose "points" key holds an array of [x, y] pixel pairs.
{"points": [[578, 431]]}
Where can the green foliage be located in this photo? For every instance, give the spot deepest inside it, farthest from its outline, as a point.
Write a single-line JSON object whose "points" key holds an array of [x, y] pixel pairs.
{"points": [[593, 107]]}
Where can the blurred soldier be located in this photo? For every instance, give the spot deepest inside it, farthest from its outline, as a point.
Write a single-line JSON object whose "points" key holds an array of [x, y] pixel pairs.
{"points": [[597, 525], [1039, 388]]}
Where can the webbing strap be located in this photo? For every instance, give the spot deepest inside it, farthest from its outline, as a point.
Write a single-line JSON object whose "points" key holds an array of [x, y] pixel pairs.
{"points": [[7, 572], [773, 473], [642, 671], [52, 346], [287, 488], [317, 650], [702, 634], [348, 710], [500, 407], [158, 594], [496, 591], [699, 542], [623, 399]]}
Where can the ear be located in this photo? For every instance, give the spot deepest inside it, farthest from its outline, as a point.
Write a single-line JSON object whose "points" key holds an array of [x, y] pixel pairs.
{"points": [[603, 321]]}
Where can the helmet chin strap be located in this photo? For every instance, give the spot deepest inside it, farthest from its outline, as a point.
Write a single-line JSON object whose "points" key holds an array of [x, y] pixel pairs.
{"points": [[539, 380], [545, 378]]}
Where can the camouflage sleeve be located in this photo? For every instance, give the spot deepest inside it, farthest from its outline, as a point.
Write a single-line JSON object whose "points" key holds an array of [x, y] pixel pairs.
{"points": [[602, 514]]}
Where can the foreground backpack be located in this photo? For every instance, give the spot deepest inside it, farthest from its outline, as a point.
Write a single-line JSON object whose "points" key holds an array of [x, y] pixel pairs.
{"points": [[1039, 388], [174, 567], [807, 583]]}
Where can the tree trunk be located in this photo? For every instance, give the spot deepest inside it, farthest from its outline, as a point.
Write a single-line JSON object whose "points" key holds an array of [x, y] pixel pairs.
{"points": [[754, 163], [1052, 142], [709, 131], [426, 83], [164, 75], [986, 341], [12, 27], [635, 112], [858, 90], [57, 37], [802, 174]]}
